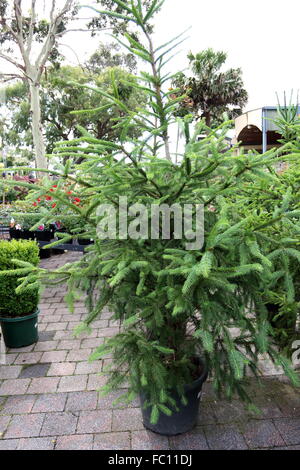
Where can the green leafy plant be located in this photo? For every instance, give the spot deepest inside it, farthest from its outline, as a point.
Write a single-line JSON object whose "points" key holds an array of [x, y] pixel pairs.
{"points": [[24, 254], [174, 304]]}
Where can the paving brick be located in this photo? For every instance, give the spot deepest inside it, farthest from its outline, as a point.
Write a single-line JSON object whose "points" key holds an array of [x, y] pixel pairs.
{"points": [[14, 386], [112, 441], [50, 318], [43, 327], [100, 324], [289, 428], [73, 383], [36, 443], [129, 419], [287, 448], [62, 368], [80, 355], [79, 401], [261, 433], [9, 444], [4, 421], [147, 440], [80, 310], [72, 344], [206, 414], [107, 332], [10, 372], [267, 407], [95, 381], [47, 311], [91, 342], [18, 404], [54, 356], [94, 421], [49, 402], [63, 335], [59, 326], [228, 412], [35, 370], [10, 358], [71, 317], [25, 425], [193, 440], [57, 424], [63, 311], [73, 324], [75, 442], [289, 404], [28, 358], [43, 385], [224, 437], [46, 346], [46, 336], [88, 367]]}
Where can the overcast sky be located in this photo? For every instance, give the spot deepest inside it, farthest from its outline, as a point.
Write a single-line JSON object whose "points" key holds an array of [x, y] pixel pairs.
{"points": [[260, 36]]}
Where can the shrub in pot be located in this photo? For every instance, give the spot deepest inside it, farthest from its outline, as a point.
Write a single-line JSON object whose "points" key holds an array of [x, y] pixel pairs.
{"points": [[18, 311], [185, 308]]}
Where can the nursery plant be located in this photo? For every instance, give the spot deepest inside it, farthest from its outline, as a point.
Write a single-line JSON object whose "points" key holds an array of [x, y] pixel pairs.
{"points": [[18, 310], [184, 310]]}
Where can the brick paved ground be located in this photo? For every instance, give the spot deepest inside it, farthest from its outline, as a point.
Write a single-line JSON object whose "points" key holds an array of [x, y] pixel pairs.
{"points": [[49, 399]]}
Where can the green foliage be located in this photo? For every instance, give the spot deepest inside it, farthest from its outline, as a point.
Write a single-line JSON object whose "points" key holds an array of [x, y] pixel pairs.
{"points": [[13, 304], [210, 92], [174, 303], [65, 92]]}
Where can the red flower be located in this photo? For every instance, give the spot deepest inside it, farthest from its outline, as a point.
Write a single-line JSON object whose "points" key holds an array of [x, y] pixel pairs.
{"points": [[53, 205], [51, 190], [34, 204], [76, 199], [69, 192], [39, 199], [48, 198], [54, 186]]}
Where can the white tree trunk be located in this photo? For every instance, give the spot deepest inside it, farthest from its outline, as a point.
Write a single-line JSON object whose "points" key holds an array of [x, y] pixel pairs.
{"points": [[37, 134]]}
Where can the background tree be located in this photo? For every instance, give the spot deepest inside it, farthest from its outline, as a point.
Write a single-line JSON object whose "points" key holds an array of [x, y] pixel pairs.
{"points": [[109, 55], [22, 33], [211, 92], [60, 99]]}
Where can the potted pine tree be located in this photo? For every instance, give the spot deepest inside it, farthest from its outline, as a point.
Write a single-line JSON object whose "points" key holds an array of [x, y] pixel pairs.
{"points": [[187, 307], [18, 311]]}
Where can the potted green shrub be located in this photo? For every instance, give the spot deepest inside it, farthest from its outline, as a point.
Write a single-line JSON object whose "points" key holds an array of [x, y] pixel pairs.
{"points": [[185, 310], [18, 311]]}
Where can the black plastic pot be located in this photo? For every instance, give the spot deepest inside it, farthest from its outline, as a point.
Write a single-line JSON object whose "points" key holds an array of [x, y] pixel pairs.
{"points": [[15, 234], [180, 421], [27, 235], [43, 235], [84, 241], [19, 332]]}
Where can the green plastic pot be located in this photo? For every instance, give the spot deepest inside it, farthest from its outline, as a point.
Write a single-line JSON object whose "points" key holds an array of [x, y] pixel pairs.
{"points": [[19, 332]]}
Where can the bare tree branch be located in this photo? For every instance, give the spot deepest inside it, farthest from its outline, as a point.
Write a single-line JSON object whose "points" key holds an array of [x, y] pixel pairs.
{"points": [[12, 61]]}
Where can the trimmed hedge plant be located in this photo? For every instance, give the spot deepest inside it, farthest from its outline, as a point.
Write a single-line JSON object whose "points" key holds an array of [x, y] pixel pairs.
{"points": [[12, 253]]}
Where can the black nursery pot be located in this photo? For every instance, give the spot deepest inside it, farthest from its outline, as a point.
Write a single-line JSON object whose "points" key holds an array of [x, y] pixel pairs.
{"points": [[43, 235], [183, 420], [15, 234], [27, 235], [84, 241]]}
